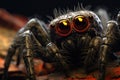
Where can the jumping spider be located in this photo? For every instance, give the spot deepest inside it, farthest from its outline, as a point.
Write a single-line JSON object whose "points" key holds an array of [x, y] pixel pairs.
{"points": [[72, 40]]}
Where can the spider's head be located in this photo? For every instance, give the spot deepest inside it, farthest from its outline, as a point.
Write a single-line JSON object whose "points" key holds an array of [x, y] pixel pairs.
{"points": [[73, 33], [79, 22]]}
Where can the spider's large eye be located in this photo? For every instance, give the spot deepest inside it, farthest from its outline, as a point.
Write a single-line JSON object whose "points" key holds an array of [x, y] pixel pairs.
{"points": [[81, 24], [63, 28]]}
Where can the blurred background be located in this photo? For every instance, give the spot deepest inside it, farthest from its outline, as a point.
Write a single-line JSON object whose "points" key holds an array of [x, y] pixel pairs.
{"points": [[42, 8], [15, 13]]}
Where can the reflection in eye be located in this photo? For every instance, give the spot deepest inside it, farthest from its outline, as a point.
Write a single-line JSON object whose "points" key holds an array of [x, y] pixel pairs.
{"points": [[64, 23], [80, 19]]}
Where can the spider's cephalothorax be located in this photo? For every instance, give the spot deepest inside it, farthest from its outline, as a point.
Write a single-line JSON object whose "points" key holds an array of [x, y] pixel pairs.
{"points": [[72, 40], [78, 36]]}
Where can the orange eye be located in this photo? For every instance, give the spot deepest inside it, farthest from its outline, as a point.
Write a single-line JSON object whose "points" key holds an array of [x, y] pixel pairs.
{"points": [[63, 28], [81, 24]]}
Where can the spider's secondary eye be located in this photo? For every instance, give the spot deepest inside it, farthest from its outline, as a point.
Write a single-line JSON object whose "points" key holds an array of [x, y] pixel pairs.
{"points": [[81, 24], [63, 28]]}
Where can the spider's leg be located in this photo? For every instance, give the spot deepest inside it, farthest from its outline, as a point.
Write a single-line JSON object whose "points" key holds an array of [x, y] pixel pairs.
{"points": [[37, 41], [15, 48], [110, 45], [11, 52], [49, 52], [28, 56]]}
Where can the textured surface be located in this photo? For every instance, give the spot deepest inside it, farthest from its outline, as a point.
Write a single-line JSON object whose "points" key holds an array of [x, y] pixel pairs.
{"points": [[112, 73]]}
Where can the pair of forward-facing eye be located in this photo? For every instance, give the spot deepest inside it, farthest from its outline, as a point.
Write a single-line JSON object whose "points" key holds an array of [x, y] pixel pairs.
{"points": [[64, 27]]}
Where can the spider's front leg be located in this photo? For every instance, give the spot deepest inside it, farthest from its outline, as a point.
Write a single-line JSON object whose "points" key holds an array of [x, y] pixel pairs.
{"points": [[111, 45], [22, 47], [38, 42], [28, 57], [31, 40], [42, 45]]}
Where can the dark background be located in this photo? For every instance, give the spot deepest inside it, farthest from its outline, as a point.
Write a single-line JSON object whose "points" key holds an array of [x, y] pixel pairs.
{"points": [[43, 8]]}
